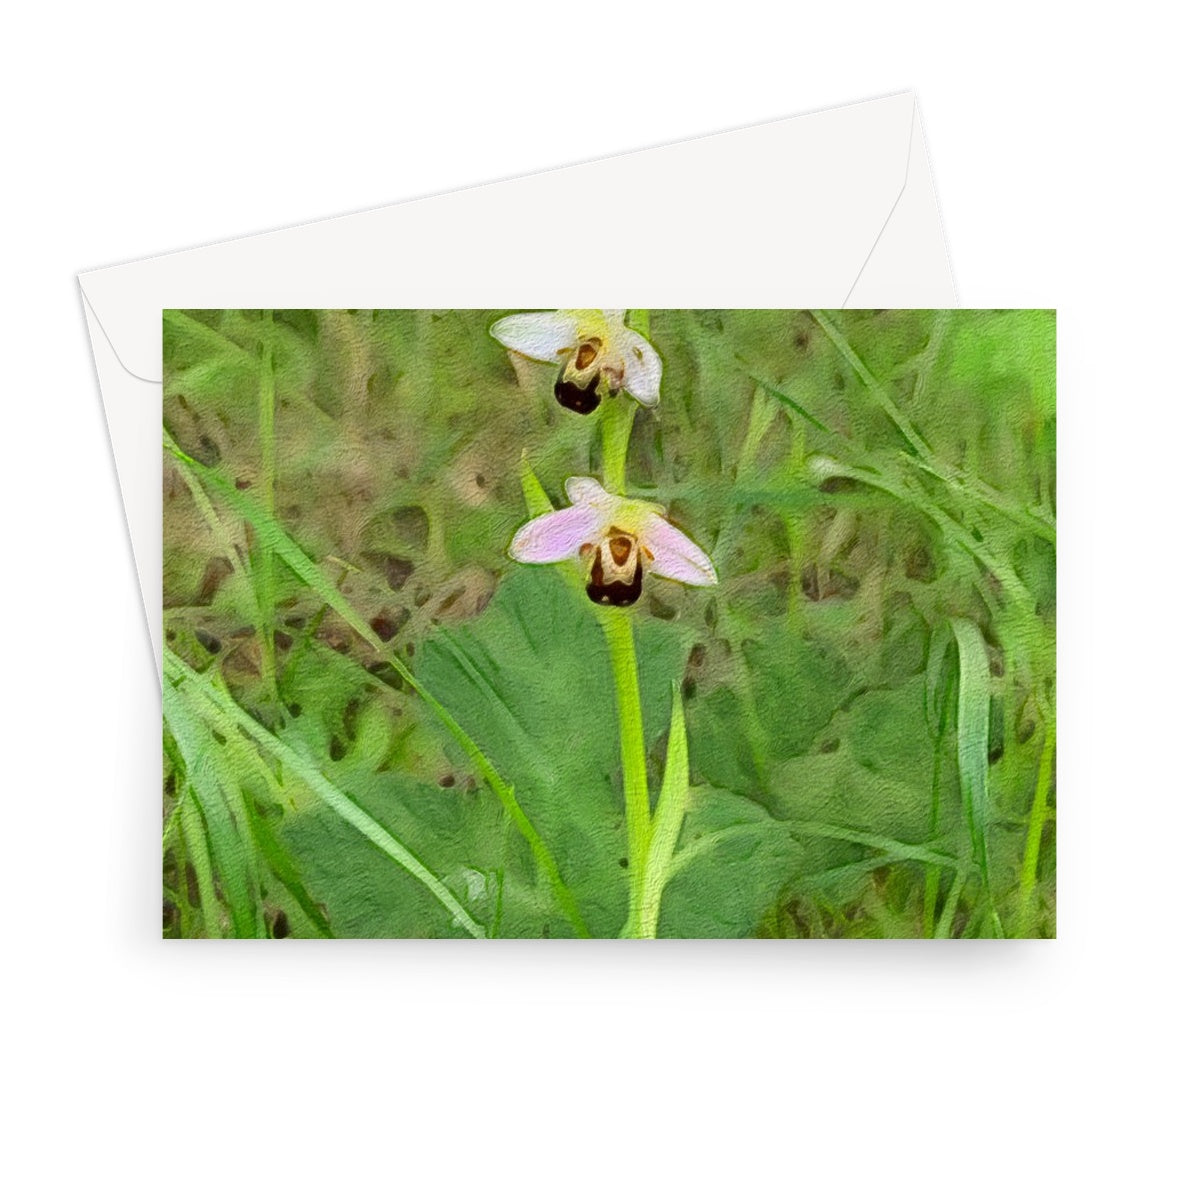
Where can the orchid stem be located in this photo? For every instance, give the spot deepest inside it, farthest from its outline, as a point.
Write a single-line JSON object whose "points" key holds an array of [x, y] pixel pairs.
{"points": [[618, 628], [616, 424]]}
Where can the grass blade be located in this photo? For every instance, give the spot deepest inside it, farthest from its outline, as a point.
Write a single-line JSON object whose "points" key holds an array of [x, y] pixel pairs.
{"points": [[192, 824], [974, 712]]}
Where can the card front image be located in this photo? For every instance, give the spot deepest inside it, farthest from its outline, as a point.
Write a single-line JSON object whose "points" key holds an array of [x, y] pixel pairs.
{"points": [[608, 623]]}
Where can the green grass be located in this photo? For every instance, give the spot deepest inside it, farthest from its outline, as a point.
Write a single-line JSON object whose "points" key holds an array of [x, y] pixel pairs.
{"points": [[375, 724]]}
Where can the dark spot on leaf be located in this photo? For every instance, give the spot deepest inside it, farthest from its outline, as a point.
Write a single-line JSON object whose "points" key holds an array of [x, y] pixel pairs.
{"points": [[283, 641], [622, 862], [294, 709], [279, 926], [828, 747], [337, 749], [446, 781], [241, 484], [210, 643]]}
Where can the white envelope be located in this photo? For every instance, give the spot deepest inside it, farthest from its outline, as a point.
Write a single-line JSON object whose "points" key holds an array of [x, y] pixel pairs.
{"points": [[833, 209]]}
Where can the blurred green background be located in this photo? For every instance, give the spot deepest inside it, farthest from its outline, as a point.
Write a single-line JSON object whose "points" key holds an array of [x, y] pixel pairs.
{"points": [[869, 692]]}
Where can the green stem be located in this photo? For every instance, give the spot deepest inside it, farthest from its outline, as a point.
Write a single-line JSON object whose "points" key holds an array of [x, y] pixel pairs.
{"points": [[616, 424], [618, 628], [1037, 822]]}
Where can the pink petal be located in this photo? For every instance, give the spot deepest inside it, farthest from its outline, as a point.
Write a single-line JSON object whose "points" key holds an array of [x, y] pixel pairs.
{"points": [[676, 556], [643, 368], [542, 336], [556, 536], [581, 489]]}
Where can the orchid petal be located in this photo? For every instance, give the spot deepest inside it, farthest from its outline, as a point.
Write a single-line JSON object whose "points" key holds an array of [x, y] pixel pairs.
{"points": [[542, 336], [674, 554], [556, 536], [581, 489], [643, 368]]}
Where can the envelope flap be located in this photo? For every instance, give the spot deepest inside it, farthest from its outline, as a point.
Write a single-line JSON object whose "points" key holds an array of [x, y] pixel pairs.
{"points": [[650, 229]]}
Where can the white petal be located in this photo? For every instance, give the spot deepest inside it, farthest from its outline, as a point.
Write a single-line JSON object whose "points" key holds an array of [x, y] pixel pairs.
{"points": [[542, 336], [581, 489], [556, 536], [676, 556], [615, 317], [643, 368]]}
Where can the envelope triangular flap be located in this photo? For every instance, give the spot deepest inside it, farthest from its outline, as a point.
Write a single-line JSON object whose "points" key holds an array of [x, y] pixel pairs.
{"points": [[778, 215]]}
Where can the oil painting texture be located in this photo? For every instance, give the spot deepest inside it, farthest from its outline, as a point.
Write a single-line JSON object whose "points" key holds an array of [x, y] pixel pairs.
{"points": [[609, 623]]}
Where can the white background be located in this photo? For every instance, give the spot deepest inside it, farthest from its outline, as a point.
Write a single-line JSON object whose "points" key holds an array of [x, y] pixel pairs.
{"points": [[1063, 148]]}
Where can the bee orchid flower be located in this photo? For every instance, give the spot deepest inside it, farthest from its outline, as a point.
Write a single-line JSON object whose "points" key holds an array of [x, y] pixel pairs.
{"points": [[597, 354], [616, 540]]}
